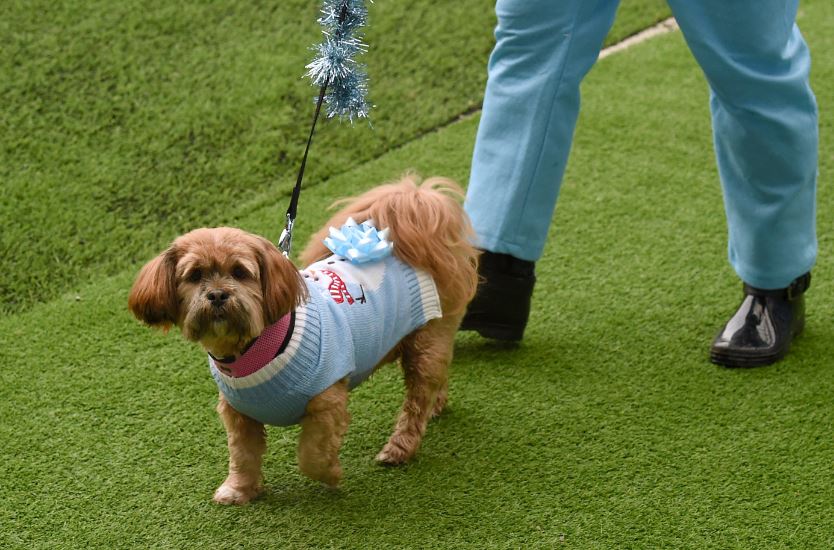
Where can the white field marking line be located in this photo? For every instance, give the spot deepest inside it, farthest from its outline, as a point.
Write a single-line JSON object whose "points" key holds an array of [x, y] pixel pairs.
{"points": [[665, 26]]}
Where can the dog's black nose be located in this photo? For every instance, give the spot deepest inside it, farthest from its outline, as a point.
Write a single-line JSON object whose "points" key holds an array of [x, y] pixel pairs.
{"points": [[217, 297]]}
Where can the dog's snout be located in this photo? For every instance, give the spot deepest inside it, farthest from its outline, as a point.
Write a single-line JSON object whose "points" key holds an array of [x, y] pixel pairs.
{"points": [[217, 297]]}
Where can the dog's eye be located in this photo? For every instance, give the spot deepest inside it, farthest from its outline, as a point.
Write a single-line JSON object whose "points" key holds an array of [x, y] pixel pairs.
{"points": [[239, 273], [195, 276]]}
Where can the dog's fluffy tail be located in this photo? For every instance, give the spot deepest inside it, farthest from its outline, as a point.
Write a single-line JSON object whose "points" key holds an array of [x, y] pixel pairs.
{"points": [[429, 229]]}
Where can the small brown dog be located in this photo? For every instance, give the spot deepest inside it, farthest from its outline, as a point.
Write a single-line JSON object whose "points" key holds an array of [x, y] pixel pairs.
{"points": [[285, 347]]}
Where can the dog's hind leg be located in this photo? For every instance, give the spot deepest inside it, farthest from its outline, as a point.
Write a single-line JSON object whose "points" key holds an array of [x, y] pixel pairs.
{"points": [[247, 444], [322, 429], [426, 355]]}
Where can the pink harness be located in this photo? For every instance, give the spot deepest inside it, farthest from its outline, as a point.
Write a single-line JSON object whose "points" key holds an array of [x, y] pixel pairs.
{"points": [[260, 353]]}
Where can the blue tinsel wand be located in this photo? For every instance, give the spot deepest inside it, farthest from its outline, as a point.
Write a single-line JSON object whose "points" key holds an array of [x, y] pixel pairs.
{"points": [[334, 67]]}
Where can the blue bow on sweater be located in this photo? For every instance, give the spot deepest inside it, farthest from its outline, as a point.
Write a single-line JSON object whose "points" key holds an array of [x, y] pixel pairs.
{"points": [[359, 243]]}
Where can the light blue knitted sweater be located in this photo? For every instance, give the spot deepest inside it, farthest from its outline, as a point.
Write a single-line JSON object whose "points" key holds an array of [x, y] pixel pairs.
{"points": [[355, 315]]}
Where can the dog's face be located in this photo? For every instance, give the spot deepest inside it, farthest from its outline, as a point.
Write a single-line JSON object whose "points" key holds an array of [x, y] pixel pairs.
{"points": [[221, 286]]}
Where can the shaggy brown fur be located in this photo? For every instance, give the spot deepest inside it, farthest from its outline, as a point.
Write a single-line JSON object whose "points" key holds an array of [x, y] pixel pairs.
{"points": [[258, 286]]}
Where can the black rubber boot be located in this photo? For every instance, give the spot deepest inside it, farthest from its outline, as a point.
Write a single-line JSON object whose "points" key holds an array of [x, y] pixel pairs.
{"points": [[761, 331], [502, 303]]}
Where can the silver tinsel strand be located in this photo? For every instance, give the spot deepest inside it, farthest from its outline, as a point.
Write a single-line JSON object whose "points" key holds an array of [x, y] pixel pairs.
{"points": [[334, 64]]}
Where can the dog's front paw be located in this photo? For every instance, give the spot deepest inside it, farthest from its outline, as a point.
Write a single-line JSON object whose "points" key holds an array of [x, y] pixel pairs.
{"points": [[332, 478], [228, 494], [329, 473]]}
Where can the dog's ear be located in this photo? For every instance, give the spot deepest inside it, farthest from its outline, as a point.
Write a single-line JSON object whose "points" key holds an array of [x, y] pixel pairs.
{"points": [[153, 298], [282, 285]]}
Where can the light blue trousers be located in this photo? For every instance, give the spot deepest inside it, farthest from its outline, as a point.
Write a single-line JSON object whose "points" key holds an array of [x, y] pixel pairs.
{"points": [[764, 119]]}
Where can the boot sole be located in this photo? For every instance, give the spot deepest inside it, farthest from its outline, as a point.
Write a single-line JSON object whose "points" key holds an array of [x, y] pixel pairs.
{"points": [[735, 360], [743, 361]]}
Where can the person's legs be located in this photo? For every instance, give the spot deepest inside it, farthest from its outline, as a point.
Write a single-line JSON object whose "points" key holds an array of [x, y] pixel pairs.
{"points": [[543, 50], [765, 131]]}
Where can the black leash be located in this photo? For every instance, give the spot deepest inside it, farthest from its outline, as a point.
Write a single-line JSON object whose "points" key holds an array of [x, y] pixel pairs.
{"points": [[285, 241]]}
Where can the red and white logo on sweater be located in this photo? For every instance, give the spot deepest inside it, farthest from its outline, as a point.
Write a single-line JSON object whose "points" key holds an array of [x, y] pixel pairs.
{"points": [[337, 288]]}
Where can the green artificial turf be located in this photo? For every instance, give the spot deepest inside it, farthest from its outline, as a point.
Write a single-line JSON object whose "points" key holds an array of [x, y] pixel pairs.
{"points": [[606, 428]]}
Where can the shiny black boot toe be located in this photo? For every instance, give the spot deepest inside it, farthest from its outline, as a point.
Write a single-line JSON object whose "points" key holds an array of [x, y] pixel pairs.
{"points": [[761, 331]]}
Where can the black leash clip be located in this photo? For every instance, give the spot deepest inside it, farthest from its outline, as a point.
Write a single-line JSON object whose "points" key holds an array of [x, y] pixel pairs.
{"points": [[285, 241]]}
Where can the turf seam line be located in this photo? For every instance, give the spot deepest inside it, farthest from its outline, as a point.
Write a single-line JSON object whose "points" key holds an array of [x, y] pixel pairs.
{"points": [[666, 26]]}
